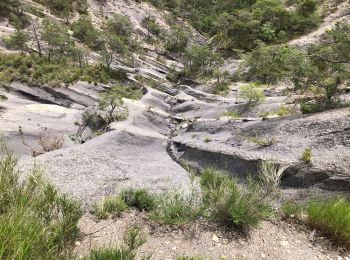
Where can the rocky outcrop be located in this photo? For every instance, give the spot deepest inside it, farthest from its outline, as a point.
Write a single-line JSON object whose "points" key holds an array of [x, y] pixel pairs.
{"points": [[238, 147]]}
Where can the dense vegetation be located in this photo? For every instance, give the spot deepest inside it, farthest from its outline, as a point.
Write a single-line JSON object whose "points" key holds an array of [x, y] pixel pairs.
{"points": [[243, 24], [36, 70], [320, 70]]}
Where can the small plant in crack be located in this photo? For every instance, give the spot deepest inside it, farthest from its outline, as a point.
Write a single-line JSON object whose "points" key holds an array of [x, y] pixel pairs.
{"points": [[307, 155], [207, 139]]}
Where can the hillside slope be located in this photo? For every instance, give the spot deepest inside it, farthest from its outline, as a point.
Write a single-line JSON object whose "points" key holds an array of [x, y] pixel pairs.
{"points": [[181, 122]]}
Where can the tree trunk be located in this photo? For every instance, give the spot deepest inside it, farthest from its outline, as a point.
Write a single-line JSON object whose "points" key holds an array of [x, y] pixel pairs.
{"points": [[37, 41]]}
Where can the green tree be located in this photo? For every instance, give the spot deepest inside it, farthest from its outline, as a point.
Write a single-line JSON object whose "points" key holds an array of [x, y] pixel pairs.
{"points": [[201, 60], [326, 66], [113, 98], [119, 25], [84, 30], [17, 41], [269, 64], [253, 93], [57, 37], [177, 40]]}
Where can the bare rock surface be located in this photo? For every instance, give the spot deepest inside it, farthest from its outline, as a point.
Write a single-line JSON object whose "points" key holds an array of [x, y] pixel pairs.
{"points": [[110, 163], [133, 154], [33, 119], [238, 147]]}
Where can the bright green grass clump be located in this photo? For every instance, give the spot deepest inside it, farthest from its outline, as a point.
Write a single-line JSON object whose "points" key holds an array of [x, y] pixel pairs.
{"points": [[110, 206], [36, 221], [176, 208], [332, 218], [231, 204], [141, 199]]}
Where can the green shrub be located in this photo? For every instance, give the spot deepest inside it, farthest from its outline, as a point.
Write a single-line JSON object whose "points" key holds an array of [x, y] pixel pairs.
{"points": [[291, 209], [177, 40], [310, 108], [36, 221], [231, 204], [252, 93], [39, 71], [119, 25], [64, 8], [17, 41], [270, 173], [139, 198], [307, 155], [133, 239], [175, 208], [220, 88], [331, 217], [110, 206], [87, 33], [284, 111], [152, 26], [33, 9]]}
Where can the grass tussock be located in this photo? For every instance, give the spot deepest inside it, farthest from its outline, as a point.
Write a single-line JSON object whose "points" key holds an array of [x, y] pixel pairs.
{"points": [[231, 204], [36, 221], [133, 239], [331, 217], [177, 208], [109, 207], [141, 199]]}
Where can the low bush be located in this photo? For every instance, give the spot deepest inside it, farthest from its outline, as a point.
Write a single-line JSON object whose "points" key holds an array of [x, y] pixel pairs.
{"points": [[39, 71], [109, 207], [175, 208], [207, 139], [231, 204], [252, 93], [331, 217], [139, 198], [133, 239], [310, 108], [221, 88], [36, 221]]}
